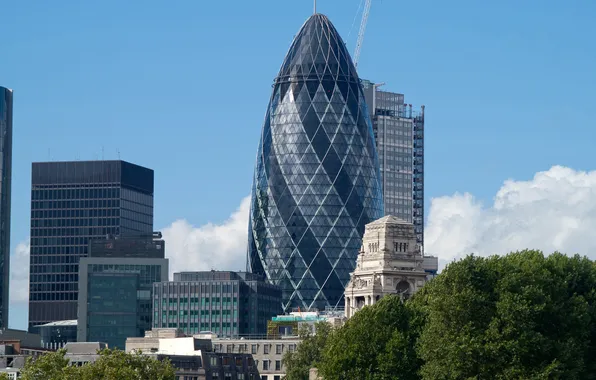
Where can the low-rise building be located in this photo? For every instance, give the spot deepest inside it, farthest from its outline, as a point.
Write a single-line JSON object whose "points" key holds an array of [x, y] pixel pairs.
{"points": [[55, 335], [15, 347], [194, 356], [267, 353], [230, 304], [115, 285]]}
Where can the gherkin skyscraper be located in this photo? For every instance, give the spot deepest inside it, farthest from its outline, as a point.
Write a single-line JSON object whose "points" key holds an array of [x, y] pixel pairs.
{"points": [[316, 181]]}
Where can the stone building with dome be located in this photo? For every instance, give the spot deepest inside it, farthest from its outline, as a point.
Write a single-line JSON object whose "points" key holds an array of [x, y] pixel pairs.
{"points": [[390, 261]]}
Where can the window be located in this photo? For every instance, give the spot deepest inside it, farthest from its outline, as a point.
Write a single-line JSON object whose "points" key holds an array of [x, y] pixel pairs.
{"points": [[226, 360], [238, 361], [277, 377], [278, 365], [265, 365], [264, 377], [266, 349], [279, 349], [254, 349], [292, 347], [213, 361]]}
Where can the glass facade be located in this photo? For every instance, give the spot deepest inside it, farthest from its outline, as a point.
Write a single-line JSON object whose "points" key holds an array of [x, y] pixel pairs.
{"points": [[55, 335], [115, 298], [5, 189], [73, 203], [229, 304], [399, 134], [317, 180]]}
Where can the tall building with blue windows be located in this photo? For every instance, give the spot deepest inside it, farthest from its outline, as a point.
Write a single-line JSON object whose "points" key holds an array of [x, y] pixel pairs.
{"points": [[317, 180], [73, 203], [5, 190]]}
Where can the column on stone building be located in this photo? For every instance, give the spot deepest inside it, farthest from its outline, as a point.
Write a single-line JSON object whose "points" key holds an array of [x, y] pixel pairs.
{"points": [[347, 307]]}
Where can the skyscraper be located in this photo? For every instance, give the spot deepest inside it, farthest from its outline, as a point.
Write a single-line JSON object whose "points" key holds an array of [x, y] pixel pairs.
{"points": [[5, 186], [71, 204], [317, 180], [399, 134]]}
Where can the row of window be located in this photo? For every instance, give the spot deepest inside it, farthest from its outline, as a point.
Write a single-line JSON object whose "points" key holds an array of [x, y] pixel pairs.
{"points": [[93, 228], [75, 193]]}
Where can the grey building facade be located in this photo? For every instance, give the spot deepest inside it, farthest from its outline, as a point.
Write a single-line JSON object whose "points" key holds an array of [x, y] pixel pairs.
{"points": [[73, 203], [115, 288], [5, 190], [399, 135], [229, 304]]}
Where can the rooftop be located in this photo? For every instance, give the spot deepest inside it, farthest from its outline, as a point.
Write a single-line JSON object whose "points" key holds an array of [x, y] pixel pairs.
{"points": [[389, 219], [70, 322]]}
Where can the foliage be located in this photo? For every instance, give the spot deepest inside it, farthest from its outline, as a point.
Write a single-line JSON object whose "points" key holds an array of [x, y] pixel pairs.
{"points": [[519, 316], [111, 365], [308, 353], [376, 343]]}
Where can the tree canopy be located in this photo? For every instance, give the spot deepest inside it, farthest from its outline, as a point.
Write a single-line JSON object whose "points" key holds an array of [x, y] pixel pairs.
{"points": [[519, 316], [111, 365]]}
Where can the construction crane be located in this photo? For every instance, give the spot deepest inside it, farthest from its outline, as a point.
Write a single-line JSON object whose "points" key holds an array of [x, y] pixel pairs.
{"points": [[361, 32]]}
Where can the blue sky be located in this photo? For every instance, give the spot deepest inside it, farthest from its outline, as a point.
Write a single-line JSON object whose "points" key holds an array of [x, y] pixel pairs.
{"points": [[182, 87]]}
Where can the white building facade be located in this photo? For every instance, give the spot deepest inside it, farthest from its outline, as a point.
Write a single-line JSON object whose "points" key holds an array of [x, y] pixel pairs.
{"points": [[390, 262]]}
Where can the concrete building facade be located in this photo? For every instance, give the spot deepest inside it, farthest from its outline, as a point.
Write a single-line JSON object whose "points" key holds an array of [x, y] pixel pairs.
{"points": [[390, 262], [399, 135]]}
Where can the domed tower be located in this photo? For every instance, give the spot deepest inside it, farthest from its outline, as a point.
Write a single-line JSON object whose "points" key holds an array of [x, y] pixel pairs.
{"points": [[316, 182]]}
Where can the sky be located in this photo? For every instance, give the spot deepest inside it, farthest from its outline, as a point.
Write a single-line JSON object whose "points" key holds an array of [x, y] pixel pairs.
{"points": [[182, 87]]}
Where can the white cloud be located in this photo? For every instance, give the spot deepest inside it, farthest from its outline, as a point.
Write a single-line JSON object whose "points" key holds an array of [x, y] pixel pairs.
{"points": [[210, 246], [19, 273], [554, 211]]}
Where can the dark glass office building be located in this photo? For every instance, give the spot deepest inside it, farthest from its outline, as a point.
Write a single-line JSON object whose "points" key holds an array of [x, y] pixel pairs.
{"points": [[230, 304], [73, 203], [5, 188], [115, 288], [317, 180]]}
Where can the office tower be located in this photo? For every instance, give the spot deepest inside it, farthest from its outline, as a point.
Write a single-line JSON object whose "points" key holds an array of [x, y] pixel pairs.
{"points": [[71, 204], [317, 180], [230, 304], [5, 188], [399, 134], [115, 287]]}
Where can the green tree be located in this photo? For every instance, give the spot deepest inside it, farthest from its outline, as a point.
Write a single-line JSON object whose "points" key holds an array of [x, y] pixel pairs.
{"points": [[378, 342], [51, 366], [111, 365], [308, 353], [520, 316]]}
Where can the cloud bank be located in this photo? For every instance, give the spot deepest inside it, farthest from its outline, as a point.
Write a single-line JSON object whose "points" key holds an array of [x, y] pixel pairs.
{"points": [[210, 246], [554, 211], [19, 273]]}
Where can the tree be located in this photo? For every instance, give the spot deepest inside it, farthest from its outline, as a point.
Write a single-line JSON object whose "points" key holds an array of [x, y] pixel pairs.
{"points": [[378, 342], [520, 316], [111, 365], [51, 366], [308, 352]]}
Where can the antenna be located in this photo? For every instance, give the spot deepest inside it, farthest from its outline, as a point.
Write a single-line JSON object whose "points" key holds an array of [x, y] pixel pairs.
{"points": [[315, 7], [102, 153], [118, 153]]}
